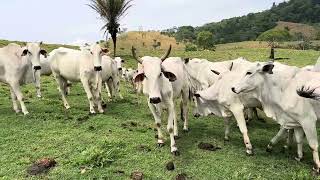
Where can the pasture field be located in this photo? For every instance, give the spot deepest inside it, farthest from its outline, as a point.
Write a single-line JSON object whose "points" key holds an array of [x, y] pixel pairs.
{"points": [[121, 141]]}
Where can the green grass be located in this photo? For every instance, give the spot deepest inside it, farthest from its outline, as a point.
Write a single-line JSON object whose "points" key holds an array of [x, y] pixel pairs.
{"points": [[105, 144]]}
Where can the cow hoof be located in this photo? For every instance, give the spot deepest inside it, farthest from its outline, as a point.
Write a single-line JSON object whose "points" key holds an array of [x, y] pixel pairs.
{"points": [[196, 115], [67, 107], [269, 149], [226, 139], [315, 171], [176, 153], [185, 130], [92, 113], [39, 96], [176, 137], [249, 153], [298, 159], [160, 145], [26, 113]]}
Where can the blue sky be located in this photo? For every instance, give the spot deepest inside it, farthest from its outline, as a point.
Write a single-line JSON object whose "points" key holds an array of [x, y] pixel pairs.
{"points": [[71, 21]]}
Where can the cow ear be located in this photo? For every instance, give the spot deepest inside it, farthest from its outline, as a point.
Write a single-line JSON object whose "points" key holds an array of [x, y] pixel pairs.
{"points": [[24, 52], [44, 53], [268, 68], [169, 75], [138, 78]]}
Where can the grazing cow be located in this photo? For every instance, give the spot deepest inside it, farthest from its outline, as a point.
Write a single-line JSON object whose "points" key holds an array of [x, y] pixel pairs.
{"points": [[163, 81], [283, 104], [75, 66], [20, 66]]}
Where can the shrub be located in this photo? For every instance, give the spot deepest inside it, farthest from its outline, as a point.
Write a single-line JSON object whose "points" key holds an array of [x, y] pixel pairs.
{"points": [[191, 47]]}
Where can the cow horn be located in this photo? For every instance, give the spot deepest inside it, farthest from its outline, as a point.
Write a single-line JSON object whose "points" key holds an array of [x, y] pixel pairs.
{"points": [[165, 56], [133, 50]]}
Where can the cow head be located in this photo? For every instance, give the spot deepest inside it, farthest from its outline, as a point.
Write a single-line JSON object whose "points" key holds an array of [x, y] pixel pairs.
{"points": [[119, 62], [97, 52], [253, 78], [153, 75], [33, 52]]}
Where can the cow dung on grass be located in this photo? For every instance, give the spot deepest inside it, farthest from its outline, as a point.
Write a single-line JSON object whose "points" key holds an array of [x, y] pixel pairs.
{"points": [[137, 175], [41, 166], [208, 147], [170, 166], [182, 176]]}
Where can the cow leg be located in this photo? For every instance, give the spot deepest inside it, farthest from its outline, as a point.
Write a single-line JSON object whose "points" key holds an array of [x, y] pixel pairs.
{"points": [[86, 86], [68, 87], [299, 134], [185, 110], [108, 88], [238, 114], [227, 128], [16, 89], [170, 126], [62, 88], [97, 97], [195, 111], [281, 133], [309, 128], [157, 117], [38, 83], [14, 101], [289, 139]]}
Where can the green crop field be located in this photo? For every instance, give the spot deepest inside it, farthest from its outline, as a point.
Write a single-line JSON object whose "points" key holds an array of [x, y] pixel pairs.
{"points": [[122, 140]]}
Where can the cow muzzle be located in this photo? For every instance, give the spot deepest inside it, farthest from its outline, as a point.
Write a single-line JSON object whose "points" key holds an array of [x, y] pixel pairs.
{"points": [[98, 68], [37, 68], [155, 100]]}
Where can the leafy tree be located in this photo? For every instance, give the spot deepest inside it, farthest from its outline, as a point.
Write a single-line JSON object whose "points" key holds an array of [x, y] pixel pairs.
{"points": [[110, 12], [185, 34], [205, 40], [273, 37]]}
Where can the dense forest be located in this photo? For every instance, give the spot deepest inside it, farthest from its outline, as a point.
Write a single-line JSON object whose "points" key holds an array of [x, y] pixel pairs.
{"points": [[249, 27]]}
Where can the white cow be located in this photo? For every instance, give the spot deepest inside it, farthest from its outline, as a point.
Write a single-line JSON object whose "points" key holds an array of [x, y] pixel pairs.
{"points": [[163, 81], [283, 104], [75, 66], [111, 77], [20, 66]]}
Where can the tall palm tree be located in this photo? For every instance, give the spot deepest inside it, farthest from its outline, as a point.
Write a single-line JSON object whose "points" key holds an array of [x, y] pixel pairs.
{"points": [[110, 12]]}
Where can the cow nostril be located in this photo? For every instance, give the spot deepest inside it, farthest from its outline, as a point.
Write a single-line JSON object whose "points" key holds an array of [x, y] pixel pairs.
{"points": [[155, 100], [197, 95], [37, 67], [98, 68], [233, 90], [120, 69]]}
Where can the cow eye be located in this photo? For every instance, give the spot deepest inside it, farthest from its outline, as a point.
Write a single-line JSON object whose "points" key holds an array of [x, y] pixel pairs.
{"points": [[145, 76], [249, 73], [160, 75]]}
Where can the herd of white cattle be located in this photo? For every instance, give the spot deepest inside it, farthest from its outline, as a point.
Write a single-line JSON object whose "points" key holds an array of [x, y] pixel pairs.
{"points": [[234, 88]]}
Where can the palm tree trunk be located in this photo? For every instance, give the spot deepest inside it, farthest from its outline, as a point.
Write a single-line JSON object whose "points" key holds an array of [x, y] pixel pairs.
{"points": [[114, 39]]}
